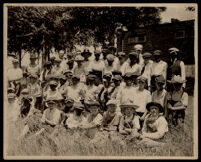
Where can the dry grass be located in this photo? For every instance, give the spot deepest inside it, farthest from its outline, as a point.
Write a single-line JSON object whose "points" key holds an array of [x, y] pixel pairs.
{"points": [[66, 143]]}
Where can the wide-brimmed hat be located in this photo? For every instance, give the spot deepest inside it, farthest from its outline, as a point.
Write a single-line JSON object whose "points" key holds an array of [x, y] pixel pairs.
{"points": [[176, 79], [154, 104], [110, 57], [157, 52], [160, 79], [11, 90], [146, 55], [79, 58], [128, 103], [138, 47]]}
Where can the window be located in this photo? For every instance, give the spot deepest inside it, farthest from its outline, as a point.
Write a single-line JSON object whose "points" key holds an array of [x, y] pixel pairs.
{"points": [[179, 34], [137, 39]]}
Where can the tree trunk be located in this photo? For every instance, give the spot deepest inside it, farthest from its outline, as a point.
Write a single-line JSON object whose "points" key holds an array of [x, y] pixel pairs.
{"points": [[20, 57]]}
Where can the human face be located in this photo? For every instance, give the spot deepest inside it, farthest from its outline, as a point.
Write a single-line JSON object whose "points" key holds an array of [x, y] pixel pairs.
{"points": [[154, 110], [146, 60], [61, 55], [141, 84], [110, 62], [33, 61], [53, 87], [173, 56], [138, 51], [157, 58], [177, 86], [51, 105], [159, 85], [79, 63], [32, 80], [116, 82], [11, 100], [121, 59], [97, 57], [93, 109], [111, 109], [78, 112], [128, 111], [15, 64], [75, 81], [133, 59], [128, 82]]}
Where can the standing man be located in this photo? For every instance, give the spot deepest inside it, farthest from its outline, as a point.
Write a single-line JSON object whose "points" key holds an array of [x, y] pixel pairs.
{"points": [[122, 61], [15, 76], [110, 66], [33, 67], [175, 66], [159, 67], [146, 68], [138, 48]]}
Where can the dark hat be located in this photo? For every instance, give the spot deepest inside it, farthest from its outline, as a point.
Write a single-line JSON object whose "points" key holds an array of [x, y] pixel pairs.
{"points": [[131, 74], [117, 77], [94, 103], [157, 52], [112, 48], [76, 77], [57, 59], [86, 52], [107, 76], [116, 72], [133, 54], [69, 100], [10, 90], [67, 71], [154, 104], [146, 55], [160, 79]]}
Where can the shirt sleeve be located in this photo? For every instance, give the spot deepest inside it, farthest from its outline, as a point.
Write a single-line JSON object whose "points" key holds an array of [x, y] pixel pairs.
{"points": [[98, 120], [184, 99], [183, 72], [121, 123], [136, 123], [162, 128]]}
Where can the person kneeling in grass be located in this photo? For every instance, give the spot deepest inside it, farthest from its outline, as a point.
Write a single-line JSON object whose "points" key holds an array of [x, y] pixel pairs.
{"points": [[51, 118], [93, 120], [76, 117], [129, 122], [176, 102], [155, 125]]}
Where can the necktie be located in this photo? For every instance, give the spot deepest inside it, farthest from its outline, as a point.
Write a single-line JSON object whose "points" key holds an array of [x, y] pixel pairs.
{"points": [[143, 70]]}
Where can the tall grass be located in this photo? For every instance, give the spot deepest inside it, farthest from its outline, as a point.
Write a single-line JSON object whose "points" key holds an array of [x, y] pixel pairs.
{"points": [[67, 143]]}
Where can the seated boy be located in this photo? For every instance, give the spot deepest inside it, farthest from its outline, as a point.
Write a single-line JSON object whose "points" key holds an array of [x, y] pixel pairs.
{"points": [[176, 102]]}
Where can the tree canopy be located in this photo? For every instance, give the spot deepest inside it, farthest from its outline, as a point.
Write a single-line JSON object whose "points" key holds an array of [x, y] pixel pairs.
{"points": [[35, 28]]}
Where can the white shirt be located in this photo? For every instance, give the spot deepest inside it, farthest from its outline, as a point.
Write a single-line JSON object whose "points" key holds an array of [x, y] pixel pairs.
{"points": [[135, 68], [14, 74], [109, 69], [147, 71], [141, 98], [159, 68], [159, 98], [96, 65]]}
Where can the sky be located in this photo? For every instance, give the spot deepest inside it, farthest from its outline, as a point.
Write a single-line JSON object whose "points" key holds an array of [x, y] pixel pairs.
{"points": [[178, 13]]}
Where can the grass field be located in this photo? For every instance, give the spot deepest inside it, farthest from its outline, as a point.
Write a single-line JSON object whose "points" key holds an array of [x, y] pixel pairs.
{"points": [[68, 144]]}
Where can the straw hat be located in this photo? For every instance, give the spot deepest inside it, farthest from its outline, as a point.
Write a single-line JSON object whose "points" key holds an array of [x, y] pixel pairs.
{"points": [[154, 104]]}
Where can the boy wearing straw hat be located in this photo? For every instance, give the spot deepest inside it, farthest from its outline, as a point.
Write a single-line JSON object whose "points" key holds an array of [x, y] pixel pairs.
{"points": [[176, 102], [129, 122], [33, 67]]}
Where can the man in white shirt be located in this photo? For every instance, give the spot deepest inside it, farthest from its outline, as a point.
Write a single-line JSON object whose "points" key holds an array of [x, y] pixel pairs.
{"points": [[109, 65], [138, 48], [176, 66], [146, 67], [132, 64], [63, 60], [159, 67], [122, 61]]}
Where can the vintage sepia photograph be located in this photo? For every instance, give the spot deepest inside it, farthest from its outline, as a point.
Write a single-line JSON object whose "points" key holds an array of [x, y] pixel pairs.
{"points": [[100, 81]]}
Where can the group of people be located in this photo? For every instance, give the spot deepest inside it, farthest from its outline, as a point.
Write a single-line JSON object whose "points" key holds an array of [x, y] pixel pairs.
{"points": [[134, 95]]}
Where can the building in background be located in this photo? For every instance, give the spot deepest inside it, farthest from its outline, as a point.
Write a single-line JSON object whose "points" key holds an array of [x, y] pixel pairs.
{"points": [[178, 34]]}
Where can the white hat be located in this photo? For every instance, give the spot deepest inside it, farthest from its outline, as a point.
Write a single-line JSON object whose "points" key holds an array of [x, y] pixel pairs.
{"points": [[128, 103], [173, 50], [138, 47]]}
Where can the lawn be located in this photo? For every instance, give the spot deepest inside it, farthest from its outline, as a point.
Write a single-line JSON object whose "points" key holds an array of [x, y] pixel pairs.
{"points": [[66, 143]]}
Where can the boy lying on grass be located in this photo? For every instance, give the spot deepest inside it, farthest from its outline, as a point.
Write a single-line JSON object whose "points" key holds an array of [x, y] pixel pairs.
{"points": [[38, 123], [155, 125]]}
